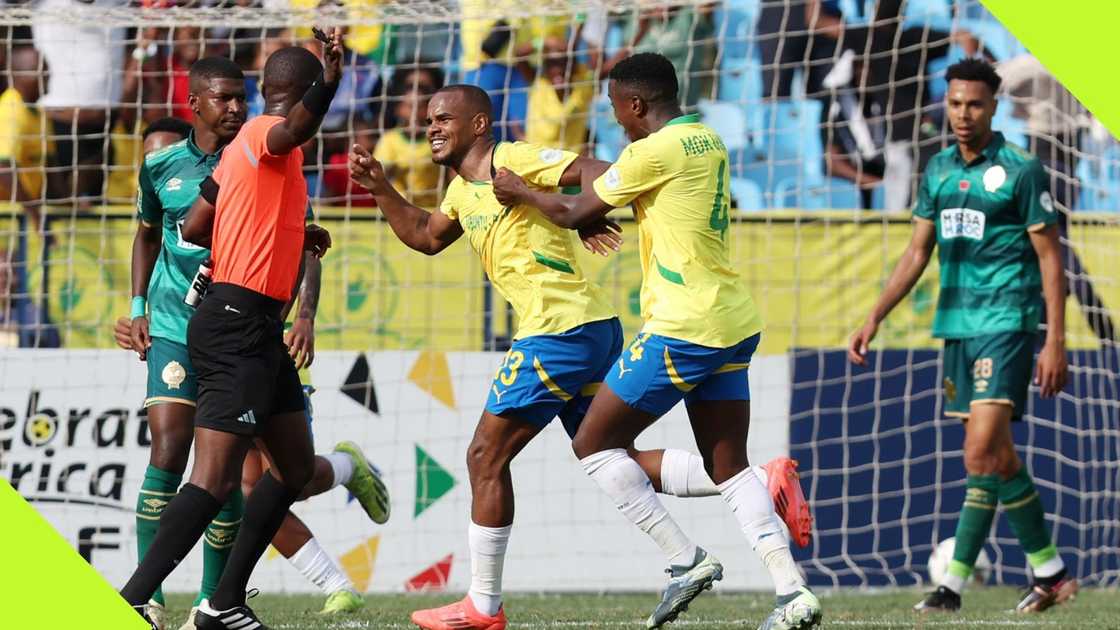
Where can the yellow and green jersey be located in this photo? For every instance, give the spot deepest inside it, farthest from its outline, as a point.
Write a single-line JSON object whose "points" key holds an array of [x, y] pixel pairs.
{"points": [[676, 179], [982, 212], [531, 262]]}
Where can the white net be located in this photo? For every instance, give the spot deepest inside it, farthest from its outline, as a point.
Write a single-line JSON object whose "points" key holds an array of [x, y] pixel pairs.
{"points": [[829, 118]]}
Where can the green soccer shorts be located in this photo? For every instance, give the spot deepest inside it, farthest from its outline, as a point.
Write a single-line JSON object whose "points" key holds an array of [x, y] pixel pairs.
{"points": [[994, 368], [171, 378]]}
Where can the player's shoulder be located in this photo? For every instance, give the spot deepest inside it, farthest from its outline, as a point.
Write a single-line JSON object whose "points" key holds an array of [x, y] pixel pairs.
{"points": [[522, 153], [1019, 157], [167, 155]]}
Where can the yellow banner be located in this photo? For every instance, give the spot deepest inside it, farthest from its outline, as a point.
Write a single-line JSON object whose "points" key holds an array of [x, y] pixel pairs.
{"points": [[814, 275]]}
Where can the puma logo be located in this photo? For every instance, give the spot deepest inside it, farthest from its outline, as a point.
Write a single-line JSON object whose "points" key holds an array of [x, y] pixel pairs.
{"points": [[622, 368], [498, 393]]}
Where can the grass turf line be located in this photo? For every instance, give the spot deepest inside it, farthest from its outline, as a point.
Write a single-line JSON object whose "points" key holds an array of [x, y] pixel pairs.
{"points": [[983, 608]]}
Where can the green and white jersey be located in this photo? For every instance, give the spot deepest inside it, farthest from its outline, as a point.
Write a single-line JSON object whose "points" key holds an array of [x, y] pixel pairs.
{"points": [[982, 211], [169, 182]]}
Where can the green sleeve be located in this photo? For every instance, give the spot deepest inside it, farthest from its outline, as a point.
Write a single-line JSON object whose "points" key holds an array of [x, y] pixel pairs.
{"points": [[148, 206], [1032, 194], [923, 207]]}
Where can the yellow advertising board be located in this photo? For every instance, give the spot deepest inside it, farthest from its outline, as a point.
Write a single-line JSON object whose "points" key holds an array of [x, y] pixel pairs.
{"points": [[815, 276]]}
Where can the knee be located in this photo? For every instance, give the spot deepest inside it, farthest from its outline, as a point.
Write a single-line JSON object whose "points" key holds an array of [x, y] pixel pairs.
{"points": [[170, 450], [583, 447], [484, 461], [297, 478], [981, 458]]}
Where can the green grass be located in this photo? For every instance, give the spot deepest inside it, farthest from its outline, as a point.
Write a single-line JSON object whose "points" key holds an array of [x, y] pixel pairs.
{"points": [[984, 608]]}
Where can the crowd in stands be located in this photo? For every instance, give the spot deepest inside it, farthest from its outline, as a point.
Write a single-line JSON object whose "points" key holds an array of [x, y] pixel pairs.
{"points": [[822, 103]]}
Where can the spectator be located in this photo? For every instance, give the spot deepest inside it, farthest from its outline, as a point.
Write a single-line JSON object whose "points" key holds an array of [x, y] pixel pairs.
{"points": [[273, 39], [337, 187], [24, 140], [560, 99], [787, 44], [686, 35], [185, 50], [87, 60], [355, 88], [853, 148], [21, 324], [405, 154]]}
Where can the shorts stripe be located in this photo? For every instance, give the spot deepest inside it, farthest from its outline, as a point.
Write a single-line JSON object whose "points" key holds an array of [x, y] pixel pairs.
{"points": [[590, 389], [993, 401], [548, 382], [956, 414], [674, 377], [157, 400], [731, 367]]}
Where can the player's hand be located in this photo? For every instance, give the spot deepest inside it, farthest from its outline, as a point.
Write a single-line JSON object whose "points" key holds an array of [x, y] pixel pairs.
{"points": [[141, 340], [332, 56], [1052, 370], [301, 342], [316, 240], [365, 171], [122, 333], [861, 341], [509, 188], [602, 237]]}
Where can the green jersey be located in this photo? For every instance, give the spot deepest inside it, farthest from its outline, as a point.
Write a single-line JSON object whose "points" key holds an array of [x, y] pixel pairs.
{"points": [[982, 212], [169, 182]]}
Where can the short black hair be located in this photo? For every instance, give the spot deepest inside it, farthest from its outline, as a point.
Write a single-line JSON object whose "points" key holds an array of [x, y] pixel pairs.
{"points": [[207, 68], [474, 96], [399, 86], [651, 75], [974, 69], [291, 67], [170, 124]]}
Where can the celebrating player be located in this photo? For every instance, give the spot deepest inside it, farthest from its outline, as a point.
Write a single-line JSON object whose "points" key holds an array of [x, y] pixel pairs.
{"points": [[567, 340], [701, 329], [252, 210], [985, 204]]}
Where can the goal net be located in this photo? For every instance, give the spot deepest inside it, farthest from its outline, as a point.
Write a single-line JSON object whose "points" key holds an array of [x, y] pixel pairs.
{"points": [[829, 117]]}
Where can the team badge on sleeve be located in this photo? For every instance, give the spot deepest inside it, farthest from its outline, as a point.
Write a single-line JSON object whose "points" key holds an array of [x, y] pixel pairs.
{"points": [[1046, 201], [613, 178], [551, 156]]}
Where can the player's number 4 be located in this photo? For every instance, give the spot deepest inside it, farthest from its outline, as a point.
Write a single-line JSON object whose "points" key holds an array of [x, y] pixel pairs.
{"points": [[720, 205]]}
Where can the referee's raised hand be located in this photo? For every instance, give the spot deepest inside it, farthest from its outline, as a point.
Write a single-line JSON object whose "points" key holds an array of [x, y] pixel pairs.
{"points": [[316, 240], [332, 55]]}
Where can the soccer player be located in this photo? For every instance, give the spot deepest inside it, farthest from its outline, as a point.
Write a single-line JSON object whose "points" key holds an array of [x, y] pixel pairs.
{"points": [[567, 340], [252, 213], [701, 329], [984, 203]]}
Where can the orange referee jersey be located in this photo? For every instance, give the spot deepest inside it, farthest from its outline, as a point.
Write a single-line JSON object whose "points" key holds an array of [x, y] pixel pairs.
{"points": [[259, 218]]}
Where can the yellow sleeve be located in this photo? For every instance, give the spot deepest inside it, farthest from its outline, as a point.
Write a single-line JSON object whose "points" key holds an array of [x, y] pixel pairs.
{"points": [[383, 151], [10, 122], [636, 171], [536, 164], [447, 206]]}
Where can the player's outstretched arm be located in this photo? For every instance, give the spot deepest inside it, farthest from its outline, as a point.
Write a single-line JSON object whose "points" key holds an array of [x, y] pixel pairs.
{"points": [[905, 275], [304, 118], [567, 211], [423, 231], [1053, 368]]}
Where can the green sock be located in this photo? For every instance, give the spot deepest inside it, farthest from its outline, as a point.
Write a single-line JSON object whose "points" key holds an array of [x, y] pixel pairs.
{"points": [[973, 527], [218, 543], [1024, 511], [155, 493]]}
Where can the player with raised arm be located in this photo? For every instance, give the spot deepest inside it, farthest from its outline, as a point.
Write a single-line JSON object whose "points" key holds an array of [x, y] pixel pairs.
{"points": [[701, 329], [985, 204], [251, 213], [566, 342]]}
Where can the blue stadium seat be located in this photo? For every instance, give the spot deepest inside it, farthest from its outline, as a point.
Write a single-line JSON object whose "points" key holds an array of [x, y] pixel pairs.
{"points": [[937, 14], [607, 134], [817, 194], [746, 195], [729, 122]]}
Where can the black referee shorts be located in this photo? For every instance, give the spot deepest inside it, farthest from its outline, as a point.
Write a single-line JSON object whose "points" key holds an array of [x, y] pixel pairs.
{"points": [[245, 375]]}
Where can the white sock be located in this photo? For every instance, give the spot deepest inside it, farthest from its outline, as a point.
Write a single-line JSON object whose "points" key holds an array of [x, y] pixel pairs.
{"points": [[1050, 568], [342, 466], [319, 569], [752, 506], [954, 583], [488, 556], [627, 485], [683, 475]]}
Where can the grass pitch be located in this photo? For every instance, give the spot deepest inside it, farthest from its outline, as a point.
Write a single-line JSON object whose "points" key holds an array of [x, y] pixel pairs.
{"points": [[983, 608]]}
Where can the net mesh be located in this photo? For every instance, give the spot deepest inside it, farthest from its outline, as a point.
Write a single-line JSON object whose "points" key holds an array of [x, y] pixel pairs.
{"points": [[828, 118]]}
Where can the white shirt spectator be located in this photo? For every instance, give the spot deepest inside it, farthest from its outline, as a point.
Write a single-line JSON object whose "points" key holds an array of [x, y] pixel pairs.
{"points": [[86, 60]]}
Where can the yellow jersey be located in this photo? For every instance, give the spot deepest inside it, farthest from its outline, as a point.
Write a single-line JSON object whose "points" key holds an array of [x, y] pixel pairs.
{"points": [[557, 123], [531, 262], [415, 175], [676, 179], [25, 141], [479, 18]]}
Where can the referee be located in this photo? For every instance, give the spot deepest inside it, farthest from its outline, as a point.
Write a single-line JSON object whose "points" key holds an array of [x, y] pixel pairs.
{"points": [[251, 215]]}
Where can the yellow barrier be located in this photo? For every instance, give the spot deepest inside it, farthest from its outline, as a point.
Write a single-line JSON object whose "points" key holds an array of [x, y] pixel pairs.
{"points": [[814, 274]]}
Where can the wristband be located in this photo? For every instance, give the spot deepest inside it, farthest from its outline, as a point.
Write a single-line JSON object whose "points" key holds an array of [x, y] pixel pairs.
{"points": [[139, 306], [317, 98]]}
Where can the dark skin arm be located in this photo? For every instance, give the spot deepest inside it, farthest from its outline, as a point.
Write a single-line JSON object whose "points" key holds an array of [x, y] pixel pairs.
{"points": [[198, 225], [1052, 369], [300, 124], [426, 232], [301, 338], [567, 211], [145, 251]]}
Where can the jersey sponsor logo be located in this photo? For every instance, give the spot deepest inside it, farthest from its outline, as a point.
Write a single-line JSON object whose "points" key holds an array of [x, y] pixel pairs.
{"points": [[551, 156], [183, 243], [962, 223], [173, 184], [173, 374], [1046, 201], [612, 179], [994, 177]]}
